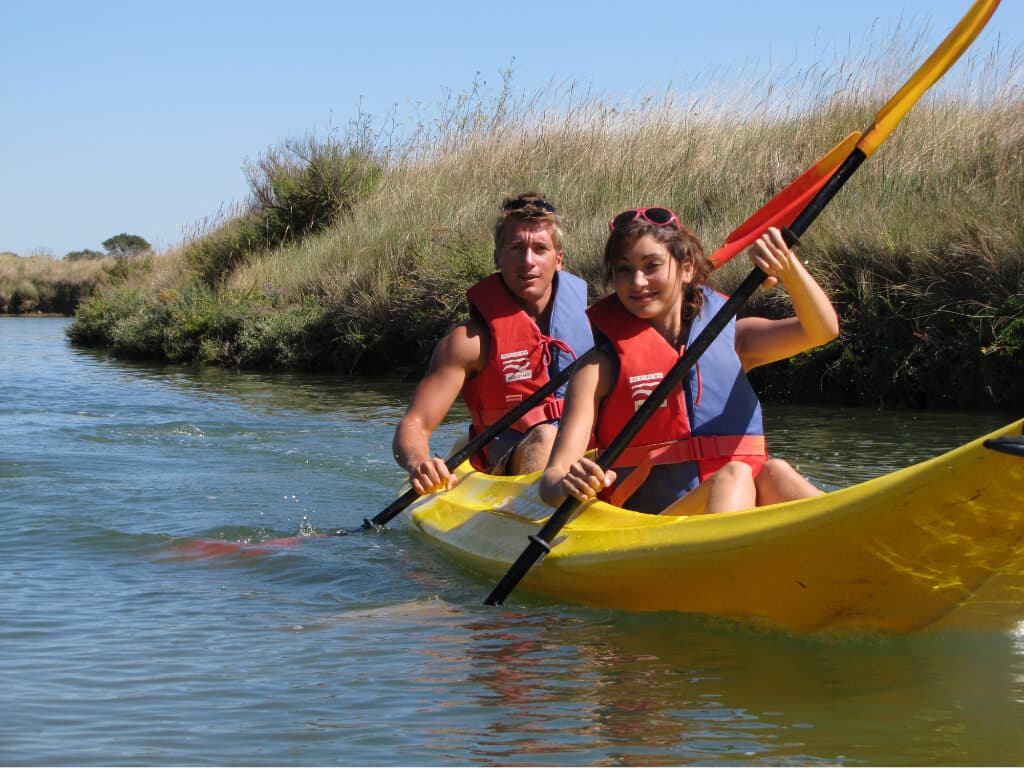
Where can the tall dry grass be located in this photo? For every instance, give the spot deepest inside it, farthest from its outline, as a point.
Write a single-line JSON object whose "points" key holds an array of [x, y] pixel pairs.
{"points": [[931, 226], [714, 156], [33, 284]]}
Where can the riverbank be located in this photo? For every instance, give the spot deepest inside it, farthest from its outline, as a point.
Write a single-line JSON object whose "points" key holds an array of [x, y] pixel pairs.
{"points": [[922, 252], [37, 285]]}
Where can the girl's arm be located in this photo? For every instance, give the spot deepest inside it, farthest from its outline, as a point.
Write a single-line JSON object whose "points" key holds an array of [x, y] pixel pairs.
{"points": [[759, 340], [568, 470]]}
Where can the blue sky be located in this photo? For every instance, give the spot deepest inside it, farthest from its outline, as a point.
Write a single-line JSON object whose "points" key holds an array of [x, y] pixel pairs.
{"points": [[139, 116]]}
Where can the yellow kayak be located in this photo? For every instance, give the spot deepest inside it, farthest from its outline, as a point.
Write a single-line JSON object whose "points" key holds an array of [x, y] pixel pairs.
{"points": [[937, 544]]}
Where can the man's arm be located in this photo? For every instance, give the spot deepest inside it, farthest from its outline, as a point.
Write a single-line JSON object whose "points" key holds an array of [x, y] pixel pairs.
{"points": [[459, 355]]}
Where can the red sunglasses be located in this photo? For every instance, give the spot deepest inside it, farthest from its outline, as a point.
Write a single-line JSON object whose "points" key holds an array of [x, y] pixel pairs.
{"points": [[659, 217]]}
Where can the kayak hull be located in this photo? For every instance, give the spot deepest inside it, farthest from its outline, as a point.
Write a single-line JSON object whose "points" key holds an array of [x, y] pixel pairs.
{"points": [[940, 543]]}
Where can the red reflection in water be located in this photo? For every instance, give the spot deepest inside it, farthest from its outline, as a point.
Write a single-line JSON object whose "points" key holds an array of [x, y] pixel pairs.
{"points": [[203, 549]]}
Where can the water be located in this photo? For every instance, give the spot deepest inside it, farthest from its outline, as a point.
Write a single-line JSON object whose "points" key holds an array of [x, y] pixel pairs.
{"points": [[126, 639]]}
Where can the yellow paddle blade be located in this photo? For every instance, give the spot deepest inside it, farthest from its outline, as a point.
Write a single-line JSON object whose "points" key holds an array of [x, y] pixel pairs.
{"points": [[942, 59], [782, 210]]}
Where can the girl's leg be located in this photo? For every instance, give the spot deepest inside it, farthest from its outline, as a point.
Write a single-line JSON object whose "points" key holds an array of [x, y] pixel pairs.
{"points": [[778, 481], [728, 489]]}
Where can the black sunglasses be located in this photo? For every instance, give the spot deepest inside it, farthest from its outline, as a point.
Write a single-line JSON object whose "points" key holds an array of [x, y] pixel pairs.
{"points": [[521, 202]]}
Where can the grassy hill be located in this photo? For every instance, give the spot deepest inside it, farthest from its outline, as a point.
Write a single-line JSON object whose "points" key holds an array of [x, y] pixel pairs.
{"points": [[353, 253]]}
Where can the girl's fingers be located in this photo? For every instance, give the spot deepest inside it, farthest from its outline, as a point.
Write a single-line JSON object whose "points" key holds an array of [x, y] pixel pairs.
{"points": [[584, 480]]}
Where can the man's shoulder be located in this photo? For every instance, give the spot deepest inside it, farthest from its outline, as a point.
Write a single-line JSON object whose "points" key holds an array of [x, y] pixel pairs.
{"points": [[464, 345]]}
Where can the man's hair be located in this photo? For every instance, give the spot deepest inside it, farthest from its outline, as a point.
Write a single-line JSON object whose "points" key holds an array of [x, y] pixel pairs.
{"points": [[531, 207], [682, 243]]}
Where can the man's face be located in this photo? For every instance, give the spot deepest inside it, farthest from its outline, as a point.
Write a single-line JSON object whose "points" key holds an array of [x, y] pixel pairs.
{"points": [[528, 261]]}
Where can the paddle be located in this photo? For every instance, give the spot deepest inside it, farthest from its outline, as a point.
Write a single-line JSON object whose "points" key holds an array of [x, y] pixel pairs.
{"points": [[885, 121], [782, 209], [394, 508]]}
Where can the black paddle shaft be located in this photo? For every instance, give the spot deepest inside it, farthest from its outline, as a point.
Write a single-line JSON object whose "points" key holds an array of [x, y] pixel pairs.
{"points": [[394, 509], [540, 542]]}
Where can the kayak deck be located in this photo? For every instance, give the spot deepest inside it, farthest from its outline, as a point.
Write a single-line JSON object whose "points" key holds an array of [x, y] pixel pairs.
{"points": [[939, 543]]}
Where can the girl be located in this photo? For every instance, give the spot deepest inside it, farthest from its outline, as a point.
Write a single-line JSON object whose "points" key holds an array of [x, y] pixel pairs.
{"points": [[703, 450]]}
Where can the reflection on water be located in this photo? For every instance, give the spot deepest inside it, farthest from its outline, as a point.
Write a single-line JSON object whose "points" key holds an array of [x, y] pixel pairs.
{"points": [[595, 688], [362, 399]]}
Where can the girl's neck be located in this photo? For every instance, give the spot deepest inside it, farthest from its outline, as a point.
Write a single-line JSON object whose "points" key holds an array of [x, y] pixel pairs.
{"points": [[672, 327]]}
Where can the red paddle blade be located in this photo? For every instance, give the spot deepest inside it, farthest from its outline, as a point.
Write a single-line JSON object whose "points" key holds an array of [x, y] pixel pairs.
{"points": [[782, 210]]}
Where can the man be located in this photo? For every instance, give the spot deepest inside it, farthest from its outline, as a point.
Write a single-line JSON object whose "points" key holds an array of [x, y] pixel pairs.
{"points": [[527, 322]]}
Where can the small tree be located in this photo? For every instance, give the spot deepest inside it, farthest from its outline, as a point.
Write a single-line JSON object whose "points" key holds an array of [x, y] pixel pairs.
{"points": [[125, 245]]}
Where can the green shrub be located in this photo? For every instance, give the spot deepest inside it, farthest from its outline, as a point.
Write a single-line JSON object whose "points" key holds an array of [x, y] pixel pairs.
{"points": [[124, 269], [216, 254], [126, 321], [23, 296], [898, 350], [303, 187], [201, 326], [1008, 328], [125, 246], [297, 337], [299, 189], [84, 254], [395, 333]]}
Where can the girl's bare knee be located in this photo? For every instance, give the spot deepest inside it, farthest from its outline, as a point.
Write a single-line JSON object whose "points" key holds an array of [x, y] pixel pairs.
{"points": [[731, 488], [735, 471], [778, 466]]}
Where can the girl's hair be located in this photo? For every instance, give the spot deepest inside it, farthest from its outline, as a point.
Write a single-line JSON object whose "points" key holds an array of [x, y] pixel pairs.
{"points": [[681, 242]]}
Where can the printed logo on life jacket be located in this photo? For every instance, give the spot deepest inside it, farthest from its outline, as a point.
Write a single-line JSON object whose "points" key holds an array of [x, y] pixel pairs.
{"points": [[642, 386], [516, 366]]}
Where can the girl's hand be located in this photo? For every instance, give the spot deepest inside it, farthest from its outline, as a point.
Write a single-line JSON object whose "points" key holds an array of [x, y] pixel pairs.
{"points": [[759, 340], [585, 479], [773, 257]]}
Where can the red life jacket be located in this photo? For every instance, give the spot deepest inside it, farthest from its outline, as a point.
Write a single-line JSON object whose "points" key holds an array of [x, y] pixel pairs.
{"points": [[521, 357], [713, 418]]}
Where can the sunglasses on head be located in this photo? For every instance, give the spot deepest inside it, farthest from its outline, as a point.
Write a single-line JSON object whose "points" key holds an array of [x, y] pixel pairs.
{"points": [[659, 217], [521, 202]]}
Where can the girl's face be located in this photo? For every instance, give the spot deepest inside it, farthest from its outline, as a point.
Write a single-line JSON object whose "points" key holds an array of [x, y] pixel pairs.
{"points": [[649, 281]]}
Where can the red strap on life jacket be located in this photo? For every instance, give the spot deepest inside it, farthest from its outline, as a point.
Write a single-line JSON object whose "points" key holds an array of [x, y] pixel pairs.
{"points": [[695, 448]]}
